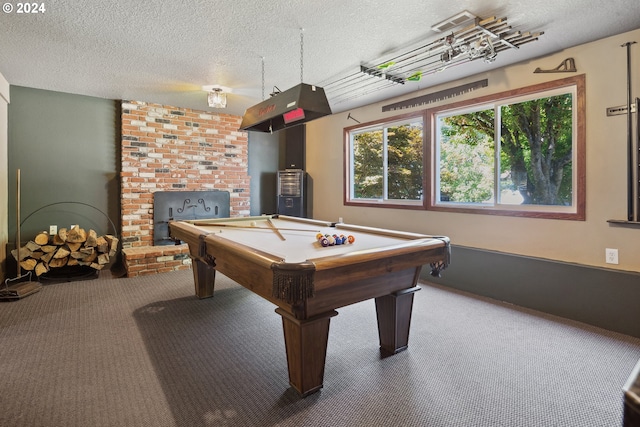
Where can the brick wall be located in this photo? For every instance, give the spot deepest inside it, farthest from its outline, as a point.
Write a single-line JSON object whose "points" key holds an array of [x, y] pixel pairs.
{"points": [[168, 148]]}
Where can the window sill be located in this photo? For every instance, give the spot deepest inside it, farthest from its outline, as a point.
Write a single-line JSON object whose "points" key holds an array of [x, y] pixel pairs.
{"points": [[373, 204]]}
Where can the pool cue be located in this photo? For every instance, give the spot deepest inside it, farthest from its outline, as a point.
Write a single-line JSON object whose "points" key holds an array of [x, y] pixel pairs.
{"points": [[637, 151], [275, 230], [249, 227], [631, 214]]}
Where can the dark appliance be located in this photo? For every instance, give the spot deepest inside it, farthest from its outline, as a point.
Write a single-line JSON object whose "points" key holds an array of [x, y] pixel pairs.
{"points": [[292, 190]]}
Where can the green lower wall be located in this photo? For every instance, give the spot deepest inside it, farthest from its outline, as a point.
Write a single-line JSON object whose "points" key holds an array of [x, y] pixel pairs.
{"points": [[609, 299], [67, 149]]}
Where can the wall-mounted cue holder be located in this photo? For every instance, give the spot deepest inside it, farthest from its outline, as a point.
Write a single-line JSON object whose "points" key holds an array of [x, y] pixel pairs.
{"points": [[633, 147]]}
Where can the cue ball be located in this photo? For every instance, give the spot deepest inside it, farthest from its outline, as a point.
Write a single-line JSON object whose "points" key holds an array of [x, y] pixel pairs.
{"points": [[253, 223]]}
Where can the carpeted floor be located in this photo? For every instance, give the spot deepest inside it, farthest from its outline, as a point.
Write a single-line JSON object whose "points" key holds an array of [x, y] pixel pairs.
{"points": [[146, 352]]}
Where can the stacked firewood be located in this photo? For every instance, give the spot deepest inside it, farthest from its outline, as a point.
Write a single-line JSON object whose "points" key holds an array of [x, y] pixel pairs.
{"points": [[68, 247]]}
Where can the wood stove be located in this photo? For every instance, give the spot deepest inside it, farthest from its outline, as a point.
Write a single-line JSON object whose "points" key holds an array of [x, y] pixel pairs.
{"points": [[184, 205]]}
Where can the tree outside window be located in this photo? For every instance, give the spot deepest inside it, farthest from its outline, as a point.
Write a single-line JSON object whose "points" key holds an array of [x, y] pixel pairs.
{"points": [[387, 162], [517, 154]]}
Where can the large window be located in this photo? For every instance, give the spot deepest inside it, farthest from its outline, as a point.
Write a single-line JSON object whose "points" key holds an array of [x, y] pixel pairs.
{"points": [[386, 163], [516, 153]]}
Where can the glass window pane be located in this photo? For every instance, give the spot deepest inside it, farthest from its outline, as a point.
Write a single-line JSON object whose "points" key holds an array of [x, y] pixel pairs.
{"points": [[404, 162], [466, 170], [368, 165], [536, 146]]}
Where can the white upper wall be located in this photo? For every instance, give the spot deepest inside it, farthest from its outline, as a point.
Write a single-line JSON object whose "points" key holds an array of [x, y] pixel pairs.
{"points": [[583, 242]]}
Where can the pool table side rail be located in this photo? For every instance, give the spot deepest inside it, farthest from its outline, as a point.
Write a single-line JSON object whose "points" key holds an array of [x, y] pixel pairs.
{"points": [[378, 254], [436, 267], [384, 232]]}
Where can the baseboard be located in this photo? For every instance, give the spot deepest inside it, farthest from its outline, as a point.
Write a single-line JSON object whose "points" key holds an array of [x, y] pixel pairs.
{"points": [[597, 296]]}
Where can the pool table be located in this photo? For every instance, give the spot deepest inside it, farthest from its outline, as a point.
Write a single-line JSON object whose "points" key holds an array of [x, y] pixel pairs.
{"points": [[281, 259]]}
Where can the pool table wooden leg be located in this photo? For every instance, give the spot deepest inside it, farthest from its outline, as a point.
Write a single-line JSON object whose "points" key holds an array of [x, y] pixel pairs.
{"points": [[394, 319], [306, 344], [204, 276]]}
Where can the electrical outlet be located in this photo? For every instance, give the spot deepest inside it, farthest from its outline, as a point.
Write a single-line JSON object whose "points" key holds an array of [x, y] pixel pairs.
{"points": [[611, 256], [53, 229]]}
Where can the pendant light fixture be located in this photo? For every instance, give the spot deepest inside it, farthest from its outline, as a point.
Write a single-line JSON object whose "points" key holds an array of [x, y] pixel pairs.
{"points": [[216, 95], [292, 107]]}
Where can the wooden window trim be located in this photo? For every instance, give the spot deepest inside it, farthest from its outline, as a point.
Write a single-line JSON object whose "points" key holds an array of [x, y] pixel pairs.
{"points": [[580, 170]]}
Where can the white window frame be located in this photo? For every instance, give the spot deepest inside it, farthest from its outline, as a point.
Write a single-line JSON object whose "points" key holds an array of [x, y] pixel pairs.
{"points": [[351, 132]]}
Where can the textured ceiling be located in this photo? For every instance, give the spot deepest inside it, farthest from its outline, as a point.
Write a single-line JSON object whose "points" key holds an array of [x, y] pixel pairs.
{"points": [[163, 51]]}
